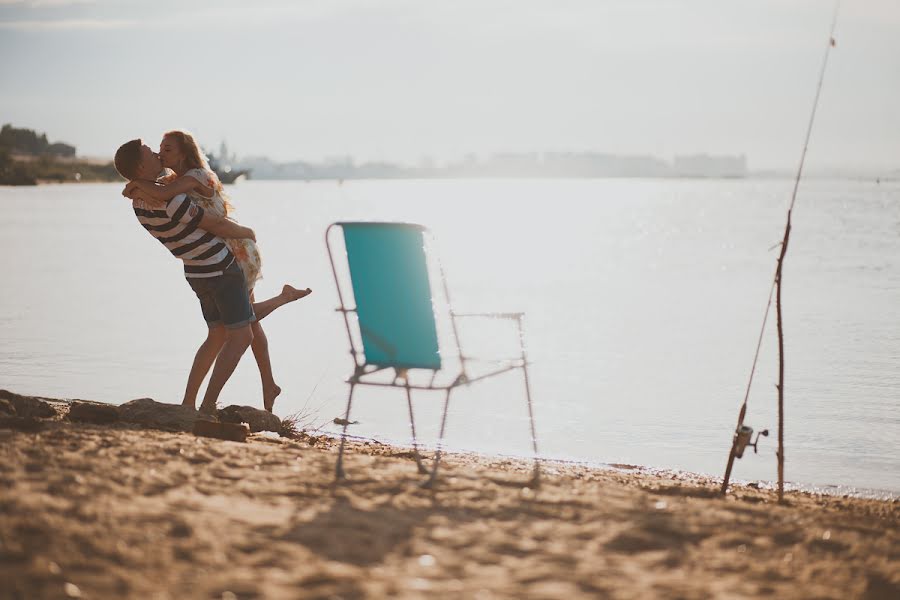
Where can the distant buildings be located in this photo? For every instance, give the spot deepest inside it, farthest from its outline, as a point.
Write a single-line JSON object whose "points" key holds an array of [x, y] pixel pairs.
{"points": [[507, 164], [704, 165]]}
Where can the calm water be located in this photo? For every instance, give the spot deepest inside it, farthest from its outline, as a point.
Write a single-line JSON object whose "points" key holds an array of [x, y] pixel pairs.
{"points": [[644, 301]]}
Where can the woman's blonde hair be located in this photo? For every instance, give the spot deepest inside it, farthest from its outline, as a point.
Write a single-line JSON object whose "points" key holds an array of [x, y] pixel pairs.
{"points": [[195, 159]]}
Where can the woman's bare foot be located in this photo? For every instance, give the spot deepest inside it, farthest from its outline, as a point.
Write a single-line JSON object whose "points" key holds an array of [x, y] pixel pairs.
{"points": [[290, 293], [269, 396]]}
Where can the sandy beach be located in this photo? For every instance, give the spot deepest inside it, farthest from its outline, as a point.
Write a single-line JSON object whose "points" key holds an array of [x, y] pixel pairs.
{"points": [[121, 511]]}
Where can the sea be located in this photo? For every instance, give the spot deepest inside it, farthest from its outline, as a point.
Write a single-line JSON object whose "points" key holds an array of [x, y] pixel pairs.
{"points": [[644, 302]]}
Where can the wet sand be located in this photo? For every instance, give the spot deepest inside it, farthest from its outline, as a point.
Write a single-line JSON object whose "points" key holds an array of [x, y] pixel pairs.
{"points": [[118, 511]]}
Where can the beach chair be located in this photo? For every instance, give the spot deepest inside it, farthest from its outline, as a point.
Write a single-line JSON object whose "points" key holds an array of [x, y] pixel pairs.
{"points": [[394, 337]]}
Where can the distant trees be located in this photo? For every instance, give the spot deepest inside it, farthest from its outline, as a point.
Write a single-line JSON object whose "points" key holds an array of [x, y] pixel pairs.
{"points": [[13, 172], [27, 158], [27, 141]]}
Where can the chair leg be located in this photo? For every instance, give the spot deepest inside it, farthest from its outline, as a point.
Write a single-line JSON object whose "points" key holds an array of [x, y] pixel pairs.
{"points": [[412, 424], [339, 468], [437, 453], [536, 475]]}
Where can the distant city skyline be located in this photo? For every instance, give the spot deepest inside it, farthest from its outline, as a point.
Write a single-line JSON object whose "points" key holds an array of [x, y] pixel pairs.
{"points": [[402, 81], [503, 165]]}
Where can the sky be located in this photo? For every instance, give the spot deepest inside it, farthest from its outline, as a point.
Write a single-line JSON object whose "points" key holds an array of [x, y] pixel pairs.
{"points": [[401, 80]]}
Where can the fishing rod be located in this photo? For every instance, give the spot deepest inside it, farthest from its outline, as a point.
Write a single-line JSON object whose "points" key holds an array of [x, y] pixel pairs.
{"points": [[742, 433]]}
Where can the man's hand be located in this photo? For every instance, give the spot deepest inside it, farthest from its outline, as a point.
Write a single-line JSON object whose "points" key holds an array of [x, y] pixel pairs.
{"points": [[246, 232], [225, 228]]}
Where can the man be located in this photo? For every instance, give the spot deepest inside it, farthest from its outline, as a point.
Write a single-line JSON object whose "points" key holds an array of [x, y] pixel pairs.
{"points": [[197, 238]]}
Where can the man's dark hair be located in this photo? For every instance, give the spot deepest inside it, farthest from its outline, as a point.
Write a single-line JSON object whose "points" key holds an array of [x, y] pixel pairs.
{"points": [[128, 158]]}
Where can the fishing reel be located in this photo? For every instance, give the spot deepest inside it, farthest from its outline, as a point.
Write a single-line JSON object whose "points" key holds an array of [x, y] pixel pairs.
{"points": [[742, 439]]}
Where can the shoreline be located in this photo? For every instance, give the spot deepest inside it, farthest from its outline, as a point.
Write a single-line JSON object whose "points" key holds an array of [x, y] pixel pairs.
{"points": [[751, 177], [832, 490], [697, 478], [120, 511]]}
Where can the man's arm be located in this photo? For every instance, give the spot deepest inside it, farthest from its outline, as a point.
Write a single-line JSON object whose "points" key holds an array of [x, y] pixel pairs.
{"points": [[225, 228]]}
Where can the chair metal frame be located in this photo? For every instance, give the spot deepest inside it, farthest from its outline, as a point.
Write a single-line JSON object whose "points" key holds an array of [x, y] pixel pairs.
{"points": [[363, 372]]}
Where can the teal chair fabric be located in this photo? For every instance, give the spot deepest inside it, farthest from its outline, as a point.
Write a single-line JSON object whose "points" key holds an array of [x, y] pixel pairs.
{"points": [[390, 281]]}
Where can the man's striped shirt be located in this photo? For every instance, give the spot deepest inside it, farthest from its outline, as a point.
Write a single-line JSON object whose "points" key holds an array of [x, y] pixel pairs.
{"points": [[177, 227]]}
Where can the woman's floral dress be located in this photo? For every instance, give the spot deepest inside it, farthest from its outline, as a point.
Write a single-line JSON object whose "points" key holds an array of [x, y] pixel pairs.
{"points": [[245, 251]]}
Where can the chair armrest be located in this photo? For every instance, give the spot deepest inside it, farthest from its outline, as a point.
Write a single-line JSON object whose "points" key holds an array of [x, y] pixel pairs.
{"points": [[508, 316]]}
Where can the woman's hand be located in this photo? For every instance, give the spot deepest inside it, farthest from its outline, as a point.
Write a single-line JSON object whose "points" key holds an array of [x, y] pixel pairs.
{"points": [[132, 188], [144, 186], [135, 191], [139, 190]]}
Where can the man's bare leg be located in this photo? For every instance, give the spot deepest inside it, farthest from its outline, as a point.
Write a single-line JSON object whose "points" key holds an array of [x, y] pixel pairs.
{"points": [[288, 294], [203, 360], [236, 343]]}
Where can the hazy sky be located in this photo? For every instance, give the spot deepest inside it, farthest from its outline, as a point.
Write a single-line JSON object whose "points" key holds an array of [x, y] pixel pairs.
{"points": [[402, 79]]}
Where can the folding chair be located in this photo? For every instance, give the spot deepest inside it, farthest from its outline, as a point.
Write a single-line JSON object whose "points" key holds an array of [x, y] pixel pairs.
{"points": [[396, 327]]}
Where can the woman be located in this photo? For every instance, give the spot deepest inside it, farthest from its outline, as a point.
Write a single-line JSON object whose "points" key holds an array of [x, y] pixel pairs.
{"points": [[191, 174]]}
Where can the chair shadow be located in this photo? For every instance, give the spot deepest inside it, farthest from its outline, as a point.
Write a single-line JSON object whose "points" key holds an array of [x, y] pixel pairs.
{"points": [[357, 536], [363, 536]]}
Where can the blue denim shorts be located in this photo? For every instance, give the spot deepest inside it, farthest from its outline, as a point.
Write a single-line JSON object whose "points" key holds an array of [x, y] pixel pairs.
{"points": [[224, 299]]}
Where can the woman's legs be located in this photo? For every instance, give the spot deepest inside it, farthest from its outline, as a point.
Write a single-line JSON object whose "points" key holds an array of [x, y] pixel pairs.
{"points": [[215, 340], [288, 294], [260, 344], [260, 347]]}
